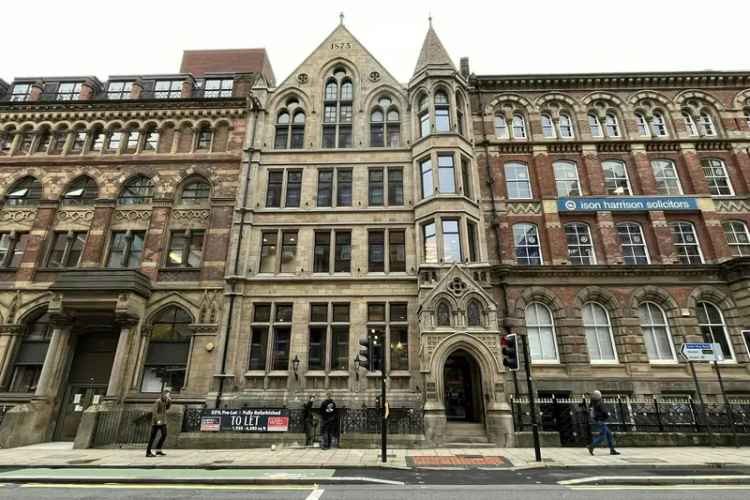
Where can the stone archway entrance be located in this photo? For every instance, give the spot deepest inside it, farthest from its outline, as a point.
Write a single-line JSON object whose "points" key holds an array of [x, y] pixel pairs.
{"points": [[462, 389]]}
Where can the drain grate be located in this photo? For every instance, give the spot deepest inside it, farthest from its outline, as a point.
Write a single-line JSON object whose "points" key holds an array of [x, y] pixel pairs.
{"points": [[82, 461], [644, 460]]}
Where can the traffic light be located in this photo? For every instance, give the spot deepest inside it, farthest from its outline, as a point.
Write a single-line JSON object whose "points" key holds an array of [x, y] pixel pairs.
{"points": [[509, 344], [364, 352]]}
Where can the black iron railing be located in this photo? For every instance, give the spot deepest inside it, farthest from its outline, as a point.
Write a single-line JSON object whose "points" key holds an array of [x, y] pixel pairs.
{"points": [[571, 417]]}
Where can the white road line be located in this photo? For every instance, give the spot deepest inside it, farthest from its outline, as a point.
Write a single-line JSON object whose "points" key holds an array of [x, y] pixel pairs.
{"points": [[315, 495]]}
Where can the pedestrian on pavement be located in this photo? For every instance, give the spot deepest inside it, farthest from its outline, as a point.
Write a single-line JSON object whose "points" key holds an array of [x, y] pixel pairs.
{"points": [[600, 415], [159, 424], [307, 419], [328, 423]]}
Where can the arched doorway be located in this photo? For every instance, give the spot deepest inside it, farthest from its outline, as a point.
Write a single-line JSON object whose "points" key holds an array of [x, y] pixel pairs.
{"points": [[462, 388]]}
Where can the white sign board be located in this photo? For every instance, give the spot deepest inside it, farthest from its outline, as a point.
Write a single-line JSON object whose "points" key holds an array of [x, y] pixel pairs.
{"points": [[702, 352]]}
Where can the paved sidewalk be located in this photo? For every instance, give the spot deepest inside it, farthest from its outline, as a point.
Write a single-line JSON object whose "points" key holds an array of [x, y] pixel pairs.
{"points": [[62, 455]]}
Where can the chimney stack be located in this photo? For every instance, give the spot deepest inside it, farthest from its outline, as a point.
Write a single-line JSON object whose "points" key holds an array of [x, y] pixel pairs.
{"points": [[465, 67]]}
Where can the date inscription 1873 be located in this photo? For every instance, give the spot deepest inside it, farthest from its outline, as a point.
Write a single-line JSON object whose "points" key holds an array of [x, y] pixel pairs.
{"points": [[341, 45]]}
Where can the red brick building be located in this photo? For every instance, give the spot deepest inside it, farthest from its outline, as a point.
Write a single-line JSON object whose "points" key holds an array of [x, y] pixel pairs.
{"points": [[117, 205], [617, 223]]}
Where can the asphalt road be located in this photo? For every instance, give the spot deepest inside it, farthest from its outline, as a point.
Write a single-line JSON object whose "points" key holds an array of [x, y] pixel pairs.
{"points": [[408, 492]]}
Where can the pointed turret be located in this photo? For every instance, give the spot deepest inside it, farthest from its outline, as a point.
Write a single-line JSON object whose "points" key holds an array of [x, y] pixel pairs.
{"points": [[433, 53]]}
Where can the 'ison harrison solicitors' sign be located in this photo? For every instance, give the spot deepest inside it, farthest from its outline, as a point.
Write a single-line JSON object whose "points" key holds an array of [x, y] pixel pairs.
{"points": [[627, 204]]}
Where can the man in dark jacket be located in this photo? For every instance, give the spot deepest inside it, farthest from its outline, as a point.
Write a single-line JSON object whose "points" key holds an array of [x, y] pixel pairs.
{"points": [[159, 424], [328, 423], [600, 415], [308, 421]]}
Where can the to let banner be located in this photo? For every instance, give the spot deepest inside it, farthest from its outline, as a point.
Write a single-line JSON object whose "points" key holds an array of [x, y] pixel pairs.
{"points": [[245, 420]]}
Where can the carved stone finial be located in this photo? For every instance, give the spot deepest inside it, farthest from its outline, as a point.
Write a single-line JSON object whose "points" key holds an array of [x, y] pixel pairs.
{"points": [[429, 19], [341, 18]]}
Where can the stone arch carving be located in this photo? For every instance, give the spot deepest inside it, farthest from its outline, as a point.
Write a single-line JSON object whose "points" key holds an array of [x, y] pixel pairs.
{"points": [[643, 95], [518, 102], [706, 293], [370, 99], [486, 360], [278, 101], [555, 97], [192, 173], [600, 296], [656, 295], [152, 312], [542, 295], [356, 77], [741, 100], [27, 172], [686, 95]]}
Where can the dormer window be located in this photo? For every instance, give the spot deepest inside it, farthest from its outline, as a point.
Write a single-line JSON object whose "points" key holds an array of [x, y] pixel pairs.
{"points": [[218, 87], [69, 91], [21, 92], [168, 89], [117, 91]]}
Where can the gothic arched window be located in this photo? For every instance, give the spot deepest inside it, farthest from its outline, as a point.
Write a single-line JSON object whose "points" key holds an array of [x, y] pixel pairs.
{"points": [[168, 351], [337, 110], [474, 313], [443, 314]]}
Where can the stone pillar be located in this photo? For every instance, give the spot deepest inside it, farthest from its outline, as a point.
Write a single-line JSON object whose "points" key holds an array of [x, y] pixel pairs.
{"points": [[663, 237], [694, 170], [217, 240], [741, 157], [9, 338], [592, 166], [118, 387], [54, 362], [644, 174], [93, 250], [542, 174], [716, 237], [157, 237], [553, 232], [608, 236], [32, 255]]}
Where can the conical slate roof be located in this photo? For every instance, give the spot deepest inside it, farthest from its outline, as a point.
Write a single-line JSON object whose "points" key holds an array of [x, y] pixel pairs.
{"points": [[433, 53]]}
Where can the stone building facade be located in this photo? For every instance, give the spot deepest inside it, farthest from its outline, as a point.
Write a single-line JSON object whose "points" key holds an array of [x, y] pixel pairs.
{"points": [[260, 229], [117, 206]]}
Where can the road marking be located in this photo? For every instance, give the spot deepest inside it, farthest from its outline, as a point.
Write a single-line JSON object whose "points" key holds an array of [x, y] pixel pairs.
{"points": [[315, 494], [684, 487], [645, 480], [254, 487]]}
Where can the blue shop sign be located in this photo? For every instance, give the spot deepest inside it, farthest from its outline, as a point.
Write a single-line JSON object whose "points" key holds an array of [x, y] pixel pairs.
{"points": [[627, 204]]}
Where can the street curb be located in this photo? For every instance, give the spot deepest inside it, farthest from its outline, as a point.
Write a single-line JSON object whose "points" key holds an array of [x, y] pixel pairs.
{"points": [[712, 465], [312, 482], [656, 481], [204, 466]]}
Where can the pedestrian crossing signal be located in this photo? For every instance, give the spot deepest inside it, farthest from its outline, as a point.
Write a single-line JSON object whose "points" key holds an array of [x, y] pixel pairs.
{"points": [[509, 345]]}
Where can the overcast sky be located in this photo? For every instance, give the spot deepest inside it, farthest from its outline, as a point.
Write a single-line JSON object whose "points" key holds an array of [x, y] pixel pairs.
{"points": [[54, 38]]}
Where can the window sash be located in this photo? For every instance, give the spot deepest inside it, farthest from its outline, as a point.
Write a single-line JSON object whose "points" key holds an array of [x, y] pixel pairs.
{"points": [[427, 186], [293, 188], [429, 236], [376, 187], [322, 252], [527, 246], [633, 244], [395, 186], [451, 241], [325, 188], [396, 251], [446, 174], [686, 243], [343, 257], [376, 251]]}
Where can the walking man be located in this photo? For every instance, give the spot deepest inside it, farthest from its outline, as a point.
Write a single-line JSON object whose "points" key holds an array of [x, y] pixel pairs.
{"points": [[307, 419], [600, 416], [328, 423], [159, 424]]}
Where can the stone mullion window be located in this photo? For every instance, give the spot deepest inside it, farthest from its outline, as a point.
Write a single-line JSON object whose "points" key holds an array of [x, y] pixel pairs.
{"points": [[329, 326], [12, 246], [395, 185], [386, 251], [388, 327], [66, 249], [126, 249], [270, 337], [186, 249]]}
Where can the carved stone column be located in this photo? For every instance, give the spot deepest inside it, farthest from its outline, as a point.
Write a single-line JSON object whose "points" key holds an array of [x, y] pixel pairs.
{"points": [[118, 387], [93, 251], [54, 362], [157, 237], [10, 335]]}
